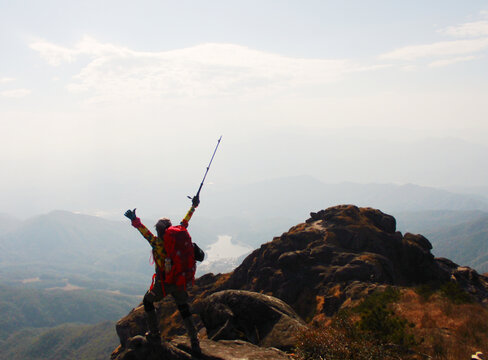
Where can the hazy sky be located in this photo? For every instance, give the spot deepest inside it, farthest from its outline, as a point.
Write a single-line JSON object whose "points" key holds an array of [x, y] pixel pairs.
{"points": [[117, 98]]}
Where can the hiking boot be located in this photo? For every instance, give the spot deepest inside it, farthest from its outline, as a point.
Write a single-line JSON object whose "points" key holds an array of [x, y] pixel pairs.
{"points": [[195, 347], [192, 333], [152, 326]]}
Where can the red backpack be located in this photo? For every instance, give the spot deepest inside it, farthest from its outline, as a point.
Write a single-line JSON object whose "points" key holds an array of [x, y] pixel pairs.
{"points": [[179, 248]]}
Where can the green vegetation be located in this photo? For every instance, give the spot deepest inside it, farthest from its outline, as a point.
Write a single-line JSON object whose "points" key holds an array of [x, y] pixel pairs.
{"points": [[342, 340], [448, 290], [374, 336], [386, 326], [455, 294], [379, 299], [68, 341], [22, 308], [425, 291], [381, 322]]}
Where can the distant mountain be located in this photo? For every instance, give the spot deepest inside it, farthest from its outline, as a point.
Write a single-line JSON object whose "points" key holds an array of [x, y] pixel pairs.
{"points": [[470, 190], [432, 221], [96, 253], [461, 236], [293, 198], [83, 250], [465, 243], [8, 223], [61, 235]]}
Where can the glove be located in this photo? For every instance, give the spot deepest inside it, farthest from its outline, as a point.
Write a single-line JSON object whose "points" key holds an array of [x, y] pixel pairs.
{"points": [[131, 214], [195, 201]]}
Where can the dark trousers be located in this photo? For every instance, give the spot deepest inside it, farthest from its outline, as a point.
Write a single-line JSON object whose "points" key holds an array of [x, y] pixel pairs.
{"points": [[157, 294]]}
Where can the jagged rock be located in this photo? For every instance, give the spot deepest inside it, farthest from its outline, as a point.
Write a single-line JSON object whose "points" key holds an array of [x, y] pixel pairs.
{"points": [[179, 349], [134, 323], [138, 348], [232, 350], [131, 325], [467, 278], [243, 315], [318, 259]]}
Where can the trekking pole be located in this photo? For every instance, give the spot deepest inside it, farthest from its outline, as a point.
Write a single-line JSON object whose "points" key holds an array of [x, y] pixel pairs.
{"points": [[206, 172]]}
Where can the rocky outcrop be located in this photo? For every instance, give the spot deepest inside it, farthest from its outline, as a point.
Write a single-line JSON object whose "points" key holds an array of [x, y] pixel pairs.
{"points": [[179, 349], [467, 278], [333, 260], [256, 318], [339, 254], [131, 325]]}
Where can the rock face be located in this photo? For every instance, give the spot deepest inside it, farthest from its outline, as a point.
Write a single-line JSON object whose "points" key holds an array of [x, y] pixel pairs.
{"points": [[331, 261], [256, 318], [339, 255], [131, 325]]}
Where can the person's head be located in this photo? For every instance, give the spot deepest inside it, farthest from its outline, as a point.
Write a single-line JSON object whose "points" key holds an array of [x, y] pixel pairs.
{"points": [[161, 226]]}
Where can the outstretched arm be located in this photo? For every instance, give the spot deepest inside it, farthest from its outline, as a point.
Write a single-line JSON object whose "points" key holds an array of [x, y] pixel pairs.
{"points": [[195, 202], [136, 222]]}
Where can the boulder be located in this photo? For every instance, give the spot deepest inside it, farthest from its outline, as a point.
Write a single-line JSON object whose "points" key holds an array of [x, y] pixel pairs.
{"points": [[257, 318], [131, 325], [232, 350], [138, 348]]}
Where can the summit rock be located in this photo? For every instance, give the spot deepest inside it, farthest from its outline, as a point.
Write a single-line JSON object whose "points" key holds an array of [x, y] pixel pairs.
{"points": [[331, 261]]}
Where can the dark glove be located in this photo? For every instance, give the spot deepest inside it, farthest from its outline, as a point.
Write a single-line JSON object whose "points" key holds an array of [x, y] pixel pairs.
{"points": [[195, 201], [131, 214]]}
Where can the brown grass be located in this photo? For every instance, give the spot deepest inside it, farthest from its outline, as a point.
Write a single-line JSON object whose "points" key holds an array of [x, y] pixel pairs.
{"points": [[443, 330], [449, 331], [339, 340]]}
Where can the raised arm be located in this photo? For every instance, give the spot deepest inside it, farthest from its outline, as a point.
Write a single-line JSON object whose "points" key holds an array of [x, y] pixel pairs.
{"points": [[195, 202], [136, 222]]}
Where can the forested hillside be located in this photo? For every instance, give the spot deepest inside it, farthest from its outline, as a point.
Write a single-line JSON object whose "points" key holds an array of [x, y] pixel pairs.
{"points": [[31, 308], [67, 341]]}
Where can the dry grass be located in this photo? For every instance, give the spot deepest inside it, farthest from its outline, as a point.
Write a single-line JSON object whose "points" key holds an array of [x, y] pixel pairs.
{"points": [[449, 331], [443, 330], [340, 340]]}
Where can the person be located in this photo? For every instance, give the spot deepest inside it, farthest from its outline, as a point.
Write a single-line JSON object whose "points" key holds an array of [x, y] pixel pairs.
{"points": [[160, 286]]}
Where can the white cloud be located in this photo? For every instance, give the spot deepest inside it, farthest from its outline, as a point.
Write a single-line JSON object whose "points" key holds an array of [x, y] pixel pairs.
{"points": [[472, 29], [445, 62], [56, 55], [444, 48], [15, 93], [115, 72], [6, 80]]}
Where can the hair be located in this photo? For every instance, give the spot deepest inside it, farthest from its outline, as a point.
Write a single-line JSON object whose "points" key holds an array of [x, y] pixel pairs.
{"points": [[161, 226]]}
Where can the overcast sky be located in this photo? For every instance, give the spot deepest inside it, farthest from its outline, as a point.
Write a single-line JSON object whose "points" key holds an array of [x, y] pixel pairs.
{"points": [[122, 97]]}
